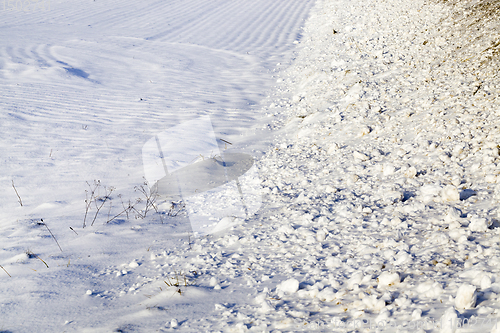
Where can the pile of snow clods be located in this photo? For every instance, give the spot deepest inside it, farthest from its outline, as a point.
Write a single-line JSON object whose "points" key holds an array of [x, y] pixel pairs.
{"points": [[387, 166]]}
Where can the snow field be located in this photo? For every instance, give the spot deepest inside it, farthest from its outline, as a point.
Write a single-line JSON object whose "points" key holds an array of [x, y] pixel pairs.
{"points": [[388, 150], [380, 200]]}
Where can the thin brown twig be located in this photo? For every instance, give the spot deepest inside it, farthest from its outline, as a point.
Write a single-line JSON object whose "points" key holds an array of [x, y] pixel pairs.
{"points": [[46, 226], [225, 141], [5, 270], [104, 199], [20, 201], [33, 254], [88, 202], [125, 210]]}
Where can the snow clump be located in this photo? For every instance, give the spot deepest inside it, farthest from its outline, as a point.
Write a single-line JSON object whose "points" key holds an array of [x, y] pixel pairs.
{"points": [[466, 297], [387, 279], [289, 286]]}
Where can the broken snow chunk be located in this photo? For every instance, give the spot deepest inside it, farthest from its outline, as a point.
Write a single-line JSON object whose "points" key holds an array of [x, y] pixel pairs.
{"points": [[330, 189], [416, 314], [299, 314], [326, 295], [485, 282], [466, 297], [391, 197], [430, 289], [321, 235], [450, 193], [266, 307], [449, 321], [383, 317], [445, 158], [479, 224], [133, 264], [352, 178], [354, 93], [372, 303], [411, 172], [387, 279], [296, 98], [490, 145], [429, 192], [363, 130], [174, 323], [360, 156], [213, 281], [453, 214], [367, 210], [402, 258], [333, 148], [491, 179], [396, 221], [289, 286], [457, 150], [333, 262], [456, 181], [355, 280], [389, 169], [307, 217], [439, 238]]}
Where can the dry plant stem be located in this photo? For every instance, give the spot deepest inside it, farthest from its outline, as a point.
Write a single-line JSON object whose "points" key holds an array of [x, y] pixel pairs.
{"points": [[125, 210], [88, 202], [18, 196], [5, 270], [151, 197], [103, 201], [29, 252], [46, 226], [172, 211], [176, 282], [225, 141]]}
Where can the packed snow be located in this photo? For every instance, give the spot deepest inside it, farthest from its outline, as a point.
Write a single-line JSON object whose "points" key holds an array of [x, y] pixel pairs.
{"points": [[373, 130]]}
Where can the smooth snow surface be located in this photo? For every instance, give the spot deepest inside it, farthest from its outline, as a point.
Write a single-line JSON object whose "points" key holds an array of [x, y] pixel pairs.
{"points": [[380, 191]]}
